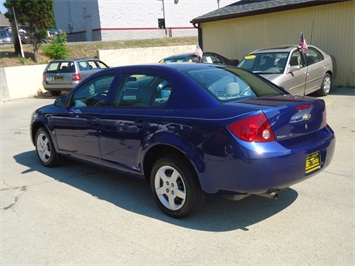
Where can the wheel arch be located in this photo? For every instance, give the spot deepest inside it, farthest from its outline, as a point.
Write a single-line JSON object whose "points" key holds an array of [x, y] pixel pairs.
{"points": [[158, 151], [34, 128]]}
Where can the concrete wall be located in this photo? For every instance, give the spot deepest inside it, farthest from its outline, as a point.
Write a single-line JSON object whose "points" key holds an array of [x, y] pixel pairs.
{"points": [[131, 56], [25, 81], [20, 81]]}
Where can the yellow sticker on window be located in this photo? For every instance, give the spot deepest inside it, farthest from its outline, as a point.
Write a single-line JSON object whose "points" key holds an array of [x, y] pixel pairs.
{"points": [[250, 57]]}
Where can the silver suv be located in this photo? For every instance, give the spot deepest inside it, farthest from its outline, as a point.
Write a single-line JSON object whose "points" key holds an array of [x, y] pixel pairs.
{"points": [[64, 74]]}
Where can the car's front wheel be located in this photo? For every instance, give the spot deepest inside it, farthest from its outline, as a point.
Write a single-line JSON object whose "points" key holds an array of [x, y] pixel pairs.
{"points": [[326, 85], [175, 187], [45, 148]]}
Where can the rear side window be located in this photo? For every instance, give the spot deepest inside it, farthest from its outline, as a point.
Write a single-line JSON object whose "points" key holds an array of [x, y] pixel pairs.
{"points": [[313, 56], [83, 65]]}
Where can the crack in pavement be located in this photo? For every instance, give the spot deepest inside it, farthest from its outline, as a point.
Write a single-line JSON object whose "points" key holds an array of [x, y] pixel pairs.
{"points": [[11, 198]]}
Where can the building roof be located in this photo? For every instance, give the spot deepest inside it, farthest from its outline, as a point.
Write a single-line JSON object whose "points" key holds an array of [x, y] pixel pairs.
{"points": [[4, 22], [245, 8]]}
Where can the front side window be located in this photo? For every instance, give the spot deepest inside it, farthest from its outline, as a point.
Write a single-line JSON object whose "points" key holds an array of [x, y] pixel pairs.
{"points": [[92, 93], [296, 59], [143, 91], [212, 59]]}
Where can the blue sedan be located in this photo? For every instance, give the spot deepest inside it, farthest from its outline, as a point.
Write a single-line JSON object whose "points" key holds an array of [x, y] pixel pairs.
{"points": [[188, 129]]}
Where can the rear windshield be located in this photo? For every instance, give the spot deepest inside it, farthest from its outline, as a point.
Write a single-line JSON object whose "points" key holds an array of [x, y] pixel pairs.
{"points": [[61, 66], [231, 84]]}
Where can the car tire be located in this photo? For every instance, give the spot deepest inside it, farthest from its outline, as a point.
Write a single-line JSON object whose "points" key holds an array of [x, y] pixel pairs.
{"points": [[326, 85], [175, 187], [55, 93], [45, 150]]}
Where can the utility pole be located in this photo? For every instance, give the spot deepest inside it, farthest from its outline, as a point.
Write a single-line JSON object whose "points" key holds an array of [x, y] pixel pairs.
{"points": [[14, 31]]}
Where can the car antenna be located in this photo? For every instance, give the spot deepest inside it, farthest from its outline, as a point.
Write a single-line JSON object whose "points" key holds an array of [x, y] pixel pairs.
{"points": [[304, 48]]}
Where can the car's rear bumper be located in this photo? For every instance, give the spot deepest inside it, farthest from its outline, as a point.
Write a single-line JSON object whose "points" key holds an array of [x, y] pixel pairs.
{"points": [[257, 168], [59, 87]]}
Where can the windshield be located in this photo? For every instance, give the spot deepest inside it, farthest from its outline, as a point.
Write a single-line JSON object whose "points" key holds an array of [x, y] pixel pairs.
{"points": [[265, 63], [231, 84]]}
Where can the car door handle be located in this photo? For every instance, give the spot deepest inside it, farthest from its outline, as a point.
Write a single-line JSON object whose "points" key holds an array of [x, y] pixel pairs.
{"points": [[141, 124], [75, 111]]}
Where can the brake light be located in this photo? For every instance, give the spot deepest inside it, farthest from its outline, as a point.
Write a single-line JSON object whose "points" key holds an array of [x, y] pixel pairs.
{"points": [[44, 77], [76, 77], [253, 129], [305, 106]]}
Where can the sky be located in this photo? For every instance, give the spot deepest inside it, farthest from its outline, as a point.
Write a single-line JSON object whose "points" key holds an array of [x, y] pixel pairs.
{"points": [[2, 8]]}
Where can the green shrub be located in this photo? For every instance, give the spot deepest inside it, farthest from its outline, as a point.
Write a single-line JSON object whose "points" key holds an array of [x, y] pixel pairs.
{"points": [[57, 49]]}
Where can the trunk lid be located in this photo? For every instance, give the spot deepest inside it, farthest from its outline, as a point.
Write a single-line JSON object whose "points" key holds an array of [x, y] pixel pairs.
{"points": [[292, 116]]}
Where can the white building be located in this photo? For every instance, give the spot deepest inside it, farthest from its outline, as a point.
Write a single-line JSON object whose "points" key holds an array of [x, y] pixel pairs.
{"points": [[96, 20]]}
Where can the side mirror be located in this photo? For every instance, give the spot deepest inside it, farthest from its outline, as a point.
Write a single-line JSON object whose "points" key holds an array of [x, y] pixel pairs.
{"points": [[292, 69], [60, 102]]}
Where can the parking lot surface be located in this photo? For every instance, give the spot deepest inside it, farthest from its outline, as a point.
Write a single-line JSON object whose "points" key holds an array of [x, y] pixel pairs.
{"points": [[78, 214]]}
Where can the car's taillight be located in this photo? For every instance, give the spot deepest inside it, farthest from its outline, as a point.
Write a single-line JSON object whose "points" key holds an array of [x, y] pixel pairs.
{"points": [[44, 77], [253, 129], [76, 77]]}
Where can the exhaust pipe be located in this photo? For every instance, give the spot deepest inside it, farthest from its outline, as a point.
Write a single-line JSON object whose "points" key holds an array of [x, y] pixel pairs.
{"points": [[271, 194]]}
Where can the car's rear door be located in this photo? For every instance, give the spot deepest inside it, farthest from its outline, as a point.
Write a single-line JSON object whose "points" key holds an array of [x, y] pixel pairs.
{"points": [[85, 69], [132, 120], [316, 69]]}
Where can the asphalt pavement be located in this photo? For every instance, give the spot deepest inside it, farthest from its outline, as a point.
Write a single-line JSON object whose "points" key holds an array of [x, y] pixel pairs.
{"points": [[78, 214]]}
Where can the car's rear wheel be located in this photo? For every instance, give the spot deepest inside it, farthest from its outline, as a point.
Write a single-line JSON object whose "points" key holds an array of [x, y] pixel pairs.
{"points": [[326, 85], [55, 93], [175, 187], [45, 148]]}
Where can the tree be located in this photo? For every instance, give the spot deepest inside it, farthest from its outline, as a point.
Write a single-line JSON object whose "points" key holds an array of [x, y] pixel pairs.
{"points": [[36, 15]]}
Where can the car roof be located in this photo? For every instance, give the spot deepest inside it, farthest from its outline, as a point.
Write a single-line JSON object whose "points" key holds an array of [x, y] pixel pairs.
{"points": [[73, 59], [167, 67], [186, 55], [280, 48]]}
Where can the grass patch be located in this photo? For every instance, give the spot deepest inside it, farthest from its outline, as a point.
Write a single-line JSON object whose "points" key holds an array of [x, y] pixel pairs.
{"points": [[85, 49]]}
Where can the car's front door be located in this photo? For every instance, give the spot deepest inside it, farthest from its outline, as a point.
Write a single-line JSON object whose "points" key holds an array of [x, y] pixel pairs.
{"points": [[76, 129], [295, 81], [128, 125]]}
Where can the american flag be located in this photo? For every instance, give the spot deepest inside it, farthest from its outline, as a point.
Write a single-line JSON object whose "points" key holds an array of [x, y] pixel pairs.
{"points": [[303, 43], [198, 51]]}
